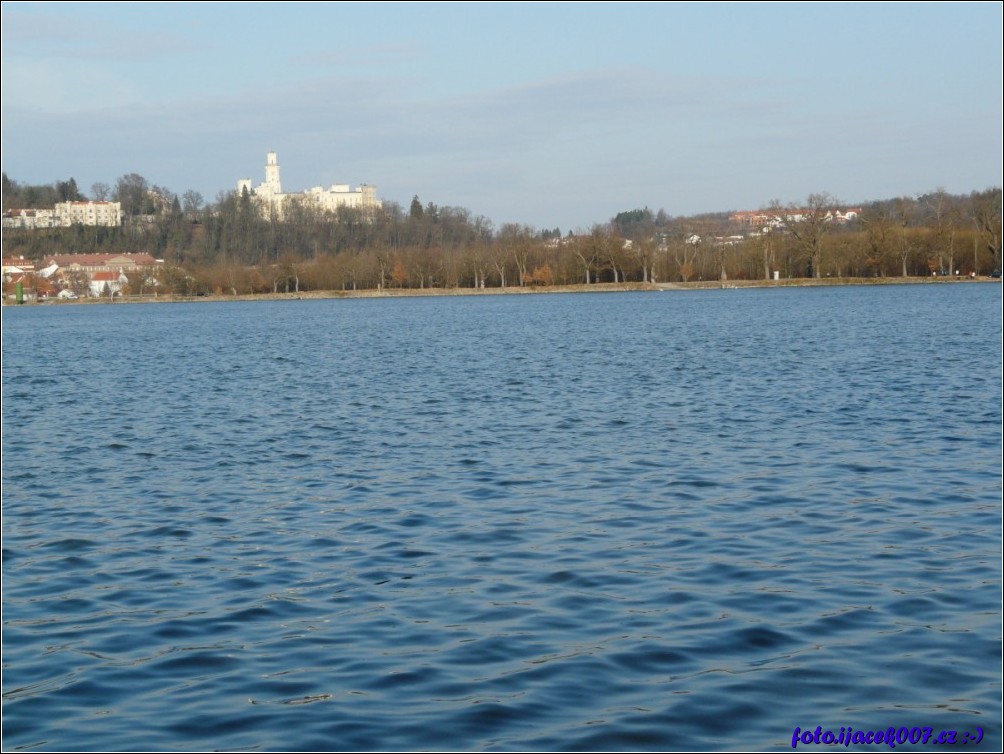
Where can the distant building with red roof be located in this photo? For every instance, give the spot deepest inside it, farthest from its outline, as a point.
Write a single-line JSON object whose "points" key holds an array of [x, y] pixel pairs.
{"points": [[107, 281], [102, 262], [99, 270], [765, 217], [13, 265]]}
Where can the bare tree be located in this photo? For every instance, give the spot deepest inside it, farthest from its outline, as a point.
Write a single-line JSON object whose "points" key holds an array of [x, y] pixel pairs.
{"points": [[77, 281], [644, 251], [477, 259], [613, 250], [880, 225], [516, 243], [500, 255], [100, 191], [590, 249], [986, 209], [192, 202], [807, 225], [685, 251], [904, 213], [946, 225], [134, 192], [767, 249], [399, 273]]}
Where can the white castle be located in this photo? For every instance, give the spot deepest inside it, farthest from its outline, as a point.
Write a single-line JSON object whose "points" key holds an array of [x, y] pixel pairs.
{"points": [[338, 195]]}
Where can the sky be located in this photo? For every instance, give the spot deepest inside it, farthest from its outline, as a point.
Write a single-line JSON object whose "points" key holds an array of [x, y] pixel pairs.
{"points": [[551, 115]]}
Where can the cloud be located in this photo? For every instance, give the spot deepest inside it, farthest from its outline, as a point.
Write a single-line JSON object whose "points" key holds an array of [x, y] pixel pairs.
{"points": [[63, 63], [565, 151], [82, 39], [51, 86], [363, 56]]}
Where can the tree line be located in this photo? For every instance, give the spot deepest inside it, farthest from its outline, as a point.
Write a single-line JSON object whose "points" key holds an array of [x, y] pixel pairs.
{"points": [[231, 246]]}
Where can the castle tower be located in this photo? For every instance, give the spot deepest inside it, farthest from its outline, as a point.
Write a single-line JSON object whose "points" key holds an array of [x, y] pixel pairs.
{"points": [[272, 173]]}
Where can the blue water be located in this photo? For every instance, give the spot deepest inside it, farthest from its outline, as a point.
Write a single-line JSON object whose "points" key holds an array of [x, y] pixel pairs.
{"points": [[609, 521]]}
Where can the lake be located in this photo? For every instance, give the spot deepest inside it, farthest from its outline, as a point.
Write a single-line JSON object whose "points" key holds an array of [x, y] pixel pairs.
{"points": [[678, 520]]}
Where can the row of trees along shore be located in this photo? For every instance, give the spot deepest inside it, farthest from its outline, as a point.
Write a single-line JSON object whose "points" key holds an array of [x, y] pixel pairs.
{"points": [[230, 246]]}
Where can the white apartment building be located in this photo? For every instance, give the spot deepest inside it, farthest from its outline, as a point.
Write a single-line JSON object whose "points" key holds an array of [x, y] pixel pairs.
{"points": [[270, 194], [65, 214], [29, 219], [108, 214]]}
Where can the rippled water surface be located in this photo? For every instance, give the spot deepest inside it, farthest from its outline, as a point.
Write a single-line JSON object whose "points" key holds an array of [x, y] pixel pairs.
{"points": [[610, 521]]}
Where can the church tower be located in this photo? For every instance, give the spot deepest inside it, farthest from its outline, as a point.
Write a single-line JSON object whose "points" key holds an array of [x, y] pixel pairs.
{"points": [[272, 173]]}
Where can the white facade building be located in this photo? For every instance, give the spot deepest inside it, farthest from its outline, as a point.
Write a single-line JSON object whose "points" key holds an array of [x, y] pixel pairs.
{"points": [[108, 214], [329, 199], [65, 214], [29, 219]]}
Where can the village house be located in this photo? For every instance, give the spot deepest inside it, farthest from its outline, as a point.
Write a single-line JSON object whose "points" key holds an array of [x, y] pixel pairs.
{"points": [[107, 283], [17, 270], [764, 218], [99, 270], [17, 266]]}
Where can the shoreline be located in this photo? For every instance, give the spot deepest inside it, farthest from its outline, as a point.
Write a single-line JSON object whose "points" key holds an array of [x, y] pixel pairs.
{"points": [[515, 290]]}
